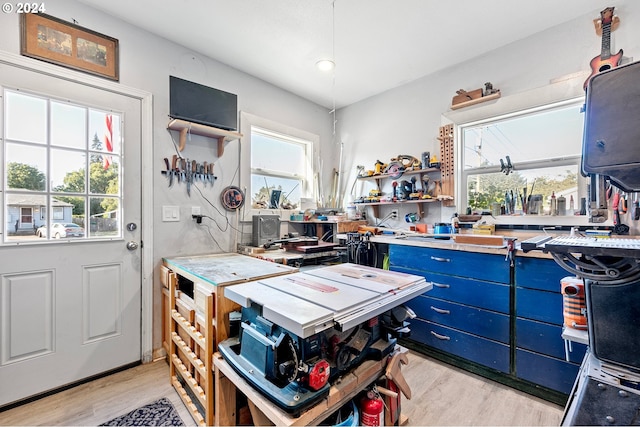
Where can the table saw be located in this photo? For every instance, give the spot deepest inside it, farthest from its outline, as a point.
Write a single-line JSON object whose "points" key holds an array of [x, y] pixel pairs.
{"points": [[302, 331]]}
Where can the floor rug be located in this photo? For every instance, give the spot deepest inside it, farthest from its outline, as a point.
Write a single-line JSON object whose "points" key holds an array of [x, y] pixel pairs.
{"points": [[159, 413]]}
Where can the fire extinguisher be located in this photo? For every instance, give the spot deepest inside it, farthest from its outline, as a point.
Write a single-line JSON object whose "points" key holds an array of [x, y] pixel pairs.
{"points": [[371, 408]]}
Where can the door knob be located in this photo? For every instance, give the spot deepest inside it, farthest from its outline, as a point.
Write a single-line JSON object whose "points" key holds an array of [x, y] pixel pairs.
{"points": [[132, 246]]}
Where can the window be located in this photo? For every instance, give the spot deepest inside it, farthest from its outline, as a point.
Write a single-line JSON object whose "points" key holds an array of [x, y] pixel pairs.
{"points": [[280, 160], [543, 146], [61, 163]]}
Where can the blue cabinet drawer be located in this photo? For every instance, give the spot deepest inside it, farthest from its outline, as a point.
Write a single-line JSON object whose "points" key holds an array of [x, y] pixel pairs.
{"points": [[485, 323], [539, 305], [550, 372], [546, 339], [537, 273], [458, 263], [471, 347], [476, 293]]}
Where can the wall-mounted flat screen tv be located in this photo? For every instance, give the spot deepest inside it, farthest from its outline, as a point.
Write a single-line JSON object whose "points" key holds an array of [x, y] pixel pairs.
{"points": [[202, 104]]}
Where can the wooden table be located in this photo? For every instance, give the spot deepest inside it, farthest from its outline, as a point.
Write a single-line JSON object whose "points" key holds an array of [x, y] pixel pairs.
{"points": [[264, 412]]}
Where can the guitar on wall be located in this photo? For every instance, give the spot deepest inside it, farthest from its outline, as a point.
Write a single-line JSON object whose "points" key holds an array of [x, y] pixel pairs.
{"points": [[605, 61]]}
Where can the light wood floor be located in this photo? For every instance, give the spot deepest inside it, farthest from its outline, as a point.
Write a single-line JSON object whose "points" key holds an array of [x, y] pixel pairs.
{"points": [[441, 395]]}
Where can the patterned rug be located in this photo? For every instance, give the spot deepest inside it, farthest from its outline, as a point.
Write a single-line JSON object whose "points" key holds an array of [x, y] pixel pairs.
{"points": [[159, 413]]}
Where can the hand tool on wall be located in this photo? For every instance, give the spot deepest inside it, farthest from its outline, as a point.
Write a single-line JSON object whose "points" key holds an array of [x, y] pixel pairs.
{"points": [[618, 227], [183, 169], [174, 167], [169, 172], [204, 177], [188, 175], [636, 207]]}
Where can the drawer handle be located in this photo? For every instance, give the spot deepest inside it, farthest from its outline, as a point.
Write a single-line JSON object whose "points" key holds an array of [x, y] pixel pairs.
{"points": [[440, 259], [440, 337], [441, 285], [440, 310]]}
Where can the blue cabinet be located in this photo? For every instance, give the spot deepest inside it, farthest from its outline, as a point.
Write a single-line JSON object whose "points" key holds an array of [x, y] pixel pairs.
{"points": [[480, 350], [467, 312], [484, 311], [540, 355]]}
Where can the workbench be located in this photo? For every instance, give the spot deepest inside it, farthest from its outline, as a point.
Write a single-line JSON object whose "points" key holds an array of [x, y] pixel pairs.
{"points": [[196, 318], [264, 412], [336, 227]]}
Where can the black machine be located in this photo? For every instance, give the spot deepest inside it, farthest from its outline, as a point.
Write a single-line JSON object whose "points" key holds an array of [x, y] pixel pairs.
{"points": [[607, 390]]}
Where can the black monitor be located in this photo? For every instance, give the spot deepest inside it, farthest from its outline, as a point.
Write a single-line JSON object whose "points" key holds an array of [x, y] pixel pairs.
{"points": [[201, 104]]}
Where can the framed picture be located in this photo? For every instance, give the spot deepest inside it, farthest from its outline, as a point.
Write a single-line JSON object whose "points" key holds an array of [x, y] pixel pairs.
{"points": [[53, 40]]}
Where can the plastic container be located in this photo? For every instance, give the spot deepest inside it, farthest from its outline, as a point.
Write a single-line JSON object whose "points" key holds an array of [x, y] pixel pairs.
{"points": [[574, 307]]}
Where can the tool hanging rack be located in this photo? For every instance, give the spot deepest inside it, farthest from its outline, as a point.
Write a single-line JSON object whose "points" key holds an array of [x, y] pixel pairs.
{"points": [[188, 171], [447, 170]]}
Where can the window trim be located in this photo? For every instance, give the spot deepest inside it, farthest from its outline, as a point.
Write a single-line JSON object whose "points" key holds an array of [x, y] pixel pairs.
{"points": [[249, 121], [562, 91], [46, 215]]}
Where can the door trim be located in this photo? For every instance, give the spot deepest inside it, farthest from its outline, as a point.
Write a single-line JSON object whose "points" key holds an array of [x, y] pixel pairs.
{"points": [[146, 153]]}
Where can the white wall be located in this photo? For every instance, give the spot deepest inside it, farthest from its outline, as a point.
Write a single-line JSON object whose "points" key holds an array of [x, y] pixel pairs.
{"points": [[146, 61], [405, 120]]}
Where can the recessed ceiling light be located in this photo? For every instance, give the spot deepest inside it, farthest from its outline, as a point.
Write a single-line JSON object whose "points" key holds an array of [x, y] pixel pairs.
{"points": [[325, 65]]}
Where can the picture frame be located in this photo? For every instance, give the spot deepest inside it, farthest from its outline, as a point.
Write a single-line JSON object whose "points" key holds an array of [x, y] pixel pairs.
{"points": [[59, 42]]}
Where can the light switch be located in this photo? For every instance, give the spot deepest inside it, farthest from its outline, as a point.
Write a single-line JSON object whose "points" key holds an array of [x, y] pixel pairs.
{"points": [[170, 213]]}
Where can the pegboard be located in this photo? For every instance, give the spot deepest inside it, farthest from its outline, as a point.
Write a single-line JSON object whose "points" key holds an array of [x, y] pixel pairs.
{"points": [[446, 163]]}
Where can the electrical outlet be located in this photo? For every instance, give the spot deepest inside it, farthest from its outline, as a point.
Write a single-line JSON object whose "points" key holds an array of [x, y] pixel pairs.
{"points": [[394, 214], [195, 210]]}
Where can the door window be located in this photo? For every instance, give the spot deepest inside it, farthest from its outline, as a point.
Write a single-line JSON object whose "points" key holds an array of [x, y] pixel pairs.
{"points": [[62, 164]]}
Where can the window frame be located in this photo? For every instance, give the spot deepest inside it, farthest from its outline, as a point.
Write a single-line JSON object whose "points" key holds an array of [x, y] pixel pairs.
{"points": [[563, 91], [46, 216], [249, 122]]}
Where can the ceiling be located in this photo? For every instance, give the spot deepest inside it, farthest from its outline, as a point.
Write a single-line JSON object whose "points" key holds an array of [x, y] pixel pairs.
{"points": [[376, 44]]}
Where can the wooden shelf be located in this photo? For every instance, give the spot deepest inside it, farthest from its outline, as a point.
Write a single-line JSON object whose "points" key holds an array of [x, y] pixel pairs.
{"points": [[376, 205], [386, 175], [185, 127], [476, 101]]}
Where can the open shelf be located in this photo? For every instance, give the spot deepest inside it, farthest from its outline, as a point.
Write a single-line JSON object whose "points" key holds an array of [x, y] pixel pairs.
{"points": [[476, 101], [407, 172], [185, 127]]}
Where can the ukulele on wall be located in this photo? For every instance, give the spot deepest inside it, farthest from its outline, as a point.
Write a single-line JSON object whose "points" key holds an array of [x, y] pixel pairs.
{"points": [[605, 61]]}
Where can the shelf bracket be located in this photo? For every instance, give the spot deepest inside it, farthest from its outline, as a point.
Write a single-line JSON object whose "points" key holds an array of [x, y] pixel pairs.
{"points": [[183, 138]]}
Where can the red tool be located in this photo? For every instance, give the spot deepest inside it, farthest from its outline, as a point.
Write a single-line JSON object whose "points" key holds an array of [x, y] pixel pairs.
{"points": [[618, 227]]}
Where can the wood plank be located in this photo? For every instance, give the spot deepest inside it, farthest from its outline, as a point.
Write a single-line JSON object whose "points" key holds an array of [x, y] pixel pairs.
{"points": [[366, 373], [191, 356], [189, 328], [225, 398], [196, 390], [186, 399], [259, 418]]}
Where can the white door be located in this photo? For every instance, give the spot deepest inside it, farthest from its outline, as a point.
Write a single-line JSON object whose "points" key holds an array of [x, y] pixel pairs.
{"points": [[70, 305]]}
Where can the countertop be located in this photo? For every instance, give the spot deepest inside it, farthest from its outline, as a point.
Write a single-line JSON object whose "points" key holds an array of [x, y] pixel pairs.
{"points": [[424, 240]]}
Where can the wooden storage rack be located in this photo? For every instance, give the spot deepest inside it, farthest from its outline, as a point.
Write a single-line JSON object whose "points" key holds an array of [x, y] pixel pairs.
{"points": [[193, 327], [196, 374]]}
